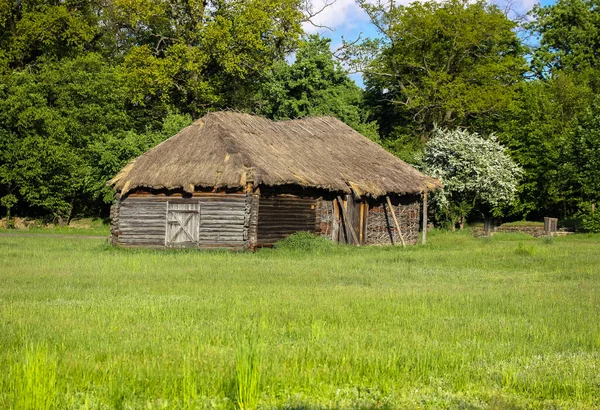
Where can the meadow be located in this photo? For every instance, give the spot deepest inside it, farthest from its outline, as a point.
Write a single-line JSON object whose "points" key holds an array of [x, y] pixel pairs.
{"points": [[463, 322]]}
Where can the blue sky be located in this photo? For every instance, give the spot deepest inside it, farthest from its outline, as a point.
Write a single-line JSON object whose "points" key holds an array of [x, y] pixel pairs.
{"points": [[348, 20]]}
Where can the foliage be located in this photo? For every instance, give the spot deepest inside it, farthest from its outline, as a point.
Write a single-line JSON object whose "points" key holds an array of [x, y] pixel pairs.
{"points": [[65, 130], [591, 222], [205, 54], [459, 323], [551, 134], [305, 242], [569, 32], [475, 172], [315, 84], [86, 85], [444, 62]]}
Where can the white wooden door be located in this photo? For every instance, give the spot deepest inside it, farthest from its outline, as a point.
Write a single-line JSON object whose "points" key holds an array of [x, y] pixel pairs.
{"points": [[183, 222]]}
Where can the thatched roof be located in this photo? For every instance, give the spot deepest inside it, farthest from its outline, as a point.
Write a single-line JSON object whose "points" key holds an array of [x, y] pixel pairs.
{"points": [[228, 149]]}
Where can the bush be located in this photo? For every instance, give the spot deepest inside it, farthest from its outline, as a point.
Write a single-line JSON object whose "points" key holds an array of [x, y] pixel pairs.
{"points": [[591, 222], [304, 242], [572, 224]]}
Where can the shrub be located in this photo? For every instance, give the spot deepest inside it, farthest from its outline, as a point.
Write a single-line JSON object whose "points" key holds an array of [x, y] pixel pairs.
{"points": [[591, 222], [304, 242]]}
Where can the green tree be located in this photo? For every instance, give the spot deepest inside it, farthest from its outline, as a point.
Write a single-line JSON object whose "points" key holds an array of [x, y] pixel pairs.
{"points": [[451, 63], [49, 117], [195, 55], [55, 29], [569, 33], [539, 132], [315, 84]]}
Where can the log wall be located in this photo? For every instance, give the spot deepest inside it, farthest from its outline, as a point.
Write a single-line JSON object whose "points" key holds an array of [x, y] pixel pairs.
{"points": [[235, 220], [222, 220], [282, 215]]}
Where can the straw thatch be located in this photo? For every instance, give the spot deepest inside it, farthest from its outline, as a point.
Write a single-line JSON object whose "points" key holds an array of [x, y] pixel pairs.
{"points": [[228, 149]]}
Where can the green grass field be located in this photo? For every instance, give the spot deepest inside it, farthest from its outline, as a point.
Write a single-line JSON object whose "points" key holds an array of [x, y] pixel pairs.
{"points": [[466, 323]]}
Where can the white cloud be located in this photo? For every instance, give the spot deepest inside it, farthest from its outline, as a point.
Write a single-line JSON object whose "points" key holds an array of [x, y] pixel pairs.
{"points": [[345, 16]]}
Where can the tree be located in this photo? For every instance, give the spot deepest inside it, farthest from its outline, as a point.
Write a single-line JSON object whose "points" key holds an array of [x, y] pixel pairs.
{"points": [[315, 84], [539, 133], [54, 29], [440, 62], [49, 117], [585, 157], [476, 173], [192, 55], [569, 33]]}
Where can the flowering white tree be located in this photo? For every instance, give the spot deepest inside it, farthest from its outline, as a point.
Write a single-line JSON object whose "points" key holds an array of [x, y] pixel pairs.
{"points": [[476, 173]]}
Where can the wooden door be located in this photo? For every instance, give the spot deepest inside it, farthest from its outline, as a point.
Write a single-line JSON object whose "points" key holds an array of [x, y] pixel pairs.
{"points": [[183, 222]]}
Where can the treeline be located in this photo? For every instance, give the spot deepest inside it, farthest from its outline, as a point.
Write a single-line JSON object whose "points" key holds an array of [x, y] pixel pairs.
{"points": [[86, 85]]}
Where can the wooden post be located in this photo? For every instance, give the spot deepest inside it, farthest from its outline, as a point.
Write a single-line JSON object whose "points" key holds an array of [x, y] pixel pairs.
{"points": [[347, 222], [335, 224], [488, 226], [361, 228], [254, 196], [550, 225], [424, 237], [395, 221]]}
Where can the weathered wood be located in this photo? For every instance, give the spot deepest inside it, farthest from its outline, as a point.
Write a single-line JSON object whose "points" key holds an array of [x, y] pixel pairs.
{"points": [[281, 216], [550, 224], [141, 222], [347, 223], [253, 220], [289, 224], [424, 237], [335, 229], [304, 220], [361, 218], [379, 222], [391, 207]]}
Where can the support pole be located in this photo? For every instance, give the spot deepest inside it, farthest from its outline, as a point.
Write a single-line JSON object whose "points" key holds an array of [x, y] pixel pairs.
{"points": [[424, 237], [395, 221], [347, 222]]}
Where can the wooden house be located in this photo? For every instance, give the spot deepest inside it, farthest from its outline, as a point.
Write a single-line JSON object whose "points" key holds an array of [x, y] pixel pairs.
{"points": [[238, 181]]}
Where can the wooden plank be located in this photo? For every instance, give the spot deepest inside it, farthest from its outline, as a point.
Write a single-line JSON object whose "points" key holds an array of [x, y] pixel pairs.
{"points": [[424, 237], [361, 219], [389, 202], [347, 222], [335, 228], [143, 212], [290, 214], [289, 222]]}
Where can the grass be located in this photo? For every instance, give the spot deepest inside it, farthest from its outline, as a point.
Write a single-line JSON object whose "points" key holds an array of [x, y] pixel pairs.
{"points": [[84, 227], [503, 322], [524, 223]]}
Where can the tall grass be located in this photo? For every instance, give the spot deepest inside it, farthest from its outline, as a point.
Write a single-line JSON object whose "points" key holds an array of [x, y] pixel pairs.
{"points": [[248, 370], [502, 322], [34, 380]]}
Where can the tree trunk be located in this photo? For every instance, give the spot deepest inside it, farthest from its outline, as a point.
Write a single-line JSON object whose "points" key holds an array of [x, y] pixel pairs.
{"points": [[70, 213], [462, 222], [448, 116]]}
